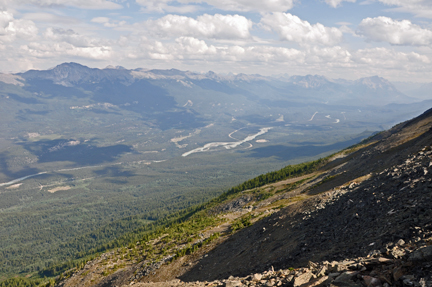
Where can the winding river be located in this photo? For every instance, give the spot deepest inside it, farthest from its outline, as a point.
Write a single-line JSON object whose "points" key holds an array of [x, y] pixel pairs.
{"points": [[227, 145]]}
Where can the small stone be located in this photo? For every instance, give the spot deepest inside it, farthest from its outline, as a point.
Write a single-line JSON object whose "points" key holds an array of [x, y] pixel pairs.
{"points": [[422, 254], [346, 276], [385, 260], [334, 274], [371, 281], [233, 283], [400, 242], [322, 271], [271, 283], [397, 252], [398, 273], [341, 267], [312, 265], [302, 279], [333, 266], [316, 282], [257, 277]]}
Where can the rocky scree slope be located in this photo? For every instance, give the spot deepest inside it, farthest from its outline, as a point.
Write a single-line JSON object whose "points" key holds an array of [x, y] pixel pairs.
{"points": [[364, 219]]}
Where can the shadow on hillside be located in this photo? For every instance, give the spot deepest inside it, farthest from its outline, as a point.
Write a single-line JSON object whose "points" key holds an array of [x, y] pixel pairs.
{"points": [[7, 170], [113, 171], [352, 224], [81, 154]]}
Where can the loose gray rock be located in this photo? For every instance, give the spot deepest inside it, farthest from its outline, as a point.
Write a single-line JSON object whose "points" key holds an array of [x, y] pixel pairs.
{"points": [[422, 254]]}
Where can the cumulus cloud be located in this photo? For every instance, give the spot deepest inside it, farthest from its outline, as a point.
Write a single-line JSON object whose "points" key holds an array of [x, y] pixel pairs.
{"points": [[227, 5], [192, 49], [5, 19], [57, 43], [384, 29], [318, 58], [11, 28], [209, 26], [292, 28], [336, 3]]}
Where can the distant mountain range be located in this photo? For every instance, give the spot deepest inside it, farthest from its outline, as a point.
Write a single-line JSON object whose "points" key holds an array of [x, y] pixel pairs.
{"points": [[362, 92]]}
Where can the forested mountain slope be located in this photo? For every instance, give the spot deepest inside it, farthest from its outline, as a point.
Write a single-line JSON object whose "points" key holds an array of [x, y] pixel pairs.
{"points": [[362, 215]]}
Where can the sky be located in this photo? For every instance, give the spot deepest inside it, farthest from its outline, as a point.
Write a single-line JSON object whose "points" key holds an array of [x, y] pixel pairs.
{"points": [[346, 39]]}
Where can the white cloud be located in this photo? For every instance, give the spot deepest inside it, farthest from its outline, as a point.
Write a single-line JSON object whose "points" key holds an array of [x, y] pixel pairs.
{"points": [[256, 5], [292, 28], [50, 18], [227, 5], [59, 43], [107, 22], [336, 3], [209, 26], [386, 58], [403, 2], [384, 29], [420, 8], [331, 56], [5, 19], [189, 48], [100, 20], [192, 49], [274, 55], [162, 6], [311, 59], [84, 4], [63, 49], [71, 37], [97, 53], [11, 29]]}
